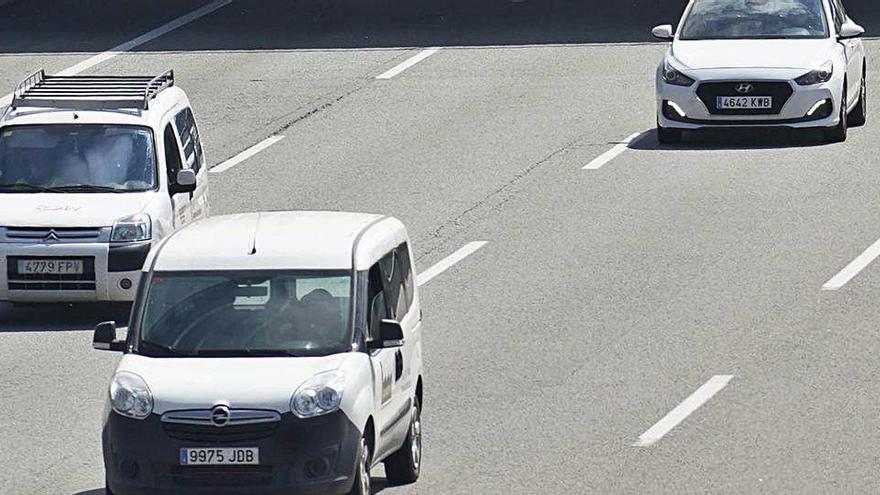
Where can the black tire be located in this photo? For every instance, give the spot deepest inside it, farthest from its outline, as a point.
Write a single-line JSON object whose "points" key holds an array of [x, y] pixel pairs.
{"points": [[859, 116], [837, 134], [361, 485], [404, 465], [666, 135]]}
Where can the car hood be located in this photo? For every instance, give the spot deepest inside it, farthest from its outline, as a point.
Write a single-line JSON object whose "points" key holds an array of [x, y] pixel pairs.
{"points": [[239, 383], [736, 54], [69, 210]]}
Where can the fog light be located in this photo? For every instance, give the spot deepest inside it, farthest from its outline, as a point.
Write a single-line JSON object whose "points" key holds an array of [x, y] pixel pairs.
{"points": [[125, 284], [317, 467], [821, 109], [676, 108]]}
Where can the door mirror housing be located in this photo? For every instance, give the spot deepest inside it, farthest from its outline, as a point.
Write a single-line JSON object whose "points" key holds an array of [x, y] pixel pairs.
{"points": [[850, 30], [390, 335], [105, 338], [185, 182], [663, 32]]}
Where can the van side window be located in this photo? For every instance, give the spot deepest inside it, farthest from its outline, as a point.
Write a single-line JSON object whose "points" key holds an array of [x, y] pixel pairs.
{"points": [[189, 135], [172, 155], [397, 277], [378, 307]]}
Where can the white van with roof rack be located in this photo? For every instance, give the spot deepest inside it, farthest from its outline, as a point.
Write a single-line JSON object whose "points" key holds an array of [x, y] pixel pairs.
{"points": [[94, 172], [269, 353]]}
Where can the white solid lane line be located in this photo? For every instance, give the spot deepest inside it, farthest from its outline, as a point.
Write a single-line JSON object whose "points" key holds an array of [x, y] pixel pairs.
{"points": [[446, 263], [613, 153], [136, 42], [853, 269], [408, 63], [244, 155], [677, 415]]}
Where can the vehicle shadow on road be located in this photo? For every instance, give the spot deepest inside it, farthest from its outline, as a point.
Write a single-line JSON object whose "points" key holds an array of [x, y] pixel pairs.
{"points": [[378, 484], [59, 318], [732, 139], [97, 491]]}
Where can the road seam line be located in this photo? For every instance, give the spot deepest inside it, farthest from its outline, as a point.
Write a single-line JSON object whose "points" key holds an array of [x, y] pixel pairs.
{"points": [[854, 268], [136, 42], [613, 153], [427, 52], [449, 261], [683, 410], [244, 155]]}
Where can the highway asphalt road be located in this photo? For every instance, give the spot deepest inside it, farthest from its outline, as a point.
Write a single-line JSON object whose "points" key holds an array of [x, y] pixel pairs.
{"points": [[680, 286]]}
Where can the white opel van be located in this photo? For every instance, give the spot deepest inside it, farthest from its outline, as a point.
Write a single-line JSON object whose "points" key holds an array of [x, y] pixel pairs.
{"points": [[94, 171], [269, 353]]}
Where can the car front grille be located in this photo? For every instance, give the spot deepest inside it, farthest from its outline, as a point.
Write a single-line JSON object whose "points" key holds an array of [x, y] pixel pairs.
{"points": [[60, 234], [242, 425], [781, 91], [221, 476]]}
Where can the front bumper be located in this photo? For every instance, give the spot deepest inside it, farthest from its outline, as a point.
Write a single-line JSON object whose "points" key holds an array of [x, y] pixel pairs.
{"points": [[680, 107], [111, 273], [142, 457]]}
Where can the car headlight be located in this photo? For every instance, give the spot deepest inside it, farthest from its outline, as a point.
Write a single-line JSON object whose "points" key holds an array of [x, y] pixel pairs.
{"points": [[674, 76], [132, 229], [320, 395], [821, 75], [130, 396]]}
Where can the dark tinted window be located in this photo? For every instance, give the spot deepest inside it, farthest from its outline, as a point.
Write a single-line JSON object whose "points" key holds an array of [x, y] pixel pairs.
{"points": [[755, 19], [172, 154], [398, 279], [190, 139]]}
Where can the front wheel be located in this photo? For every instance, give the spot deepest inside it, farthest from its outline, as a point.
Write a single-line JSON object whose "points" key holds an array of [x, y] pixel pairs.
{"points": [[361, 484], [859, 115], [837, 134], [404, 465]]}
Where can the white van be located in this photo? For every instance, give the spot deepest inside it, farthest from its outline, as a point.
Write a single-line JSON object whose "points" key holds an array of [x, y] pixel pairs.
{"points": [[269, 353], [94, 171]]}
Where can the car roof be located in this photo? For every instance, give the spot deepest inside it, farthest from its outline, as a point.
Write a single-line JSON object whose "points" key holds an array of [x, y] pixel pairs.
{"points": [[169, 100], [301, 240]]}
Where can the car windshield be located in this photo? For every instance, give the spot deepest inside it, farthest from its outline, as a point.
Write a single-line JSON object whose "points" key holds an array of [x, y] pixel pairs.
{"points": [[246, 314], [755, 19], [76, 158]]}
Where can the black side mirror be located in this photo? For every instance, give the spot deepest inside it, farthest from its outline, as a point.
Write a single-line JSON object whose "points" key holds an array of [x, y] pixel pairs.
{"points": [[390, 335], [105, 338], [184, 182]]}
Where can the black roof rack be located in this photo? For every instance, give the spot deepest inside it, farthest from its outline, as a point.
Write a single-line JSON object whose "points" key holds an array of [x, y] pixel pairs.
{"points": [[90, 92]]}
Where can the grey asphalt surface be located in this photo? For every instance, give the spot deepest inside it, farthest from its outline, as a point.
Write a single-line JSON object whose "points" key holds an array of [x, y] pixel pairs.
{"points": [[603, 298]]}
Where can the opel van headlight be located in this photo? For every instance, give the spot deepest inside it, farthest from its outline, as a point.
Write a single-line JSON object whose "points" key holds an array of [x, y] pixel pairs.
{"points": [[130, 396], [320, 395], [132, 229]]}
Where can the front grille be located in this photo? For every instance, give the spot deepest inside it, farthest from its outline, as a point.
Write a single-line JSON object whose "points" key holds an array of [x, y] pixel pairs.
{"points": [[210, 434], [221, 476], [50, 282], [62, 233], [780, 91]]}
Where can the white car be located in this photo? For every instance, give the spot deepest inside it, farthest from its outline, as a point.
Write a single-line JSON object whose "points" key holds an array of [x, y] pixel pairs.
{"points": [[269, 353], [94, 171], [742, 63]]}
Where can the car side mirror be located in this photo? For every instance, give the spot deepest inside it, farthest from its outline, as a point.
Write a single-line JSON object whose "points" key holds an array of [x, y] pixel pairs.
{"points": [[663, 32], [185, 181], [105, 338], [850, 30], [390, 335]]}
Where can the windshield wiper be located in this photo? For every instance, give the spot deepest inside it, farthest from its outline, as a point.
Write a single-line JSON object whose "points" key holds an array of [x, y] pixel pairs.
{"points": [[157, 350], [246, 352], [74, 188], [23, 187]]}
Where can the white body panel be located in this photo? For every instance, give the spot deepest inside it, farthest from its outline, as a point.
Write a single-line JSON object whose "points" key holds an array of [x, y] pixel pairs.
{"points": [[757, 60], [97, 210]]}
